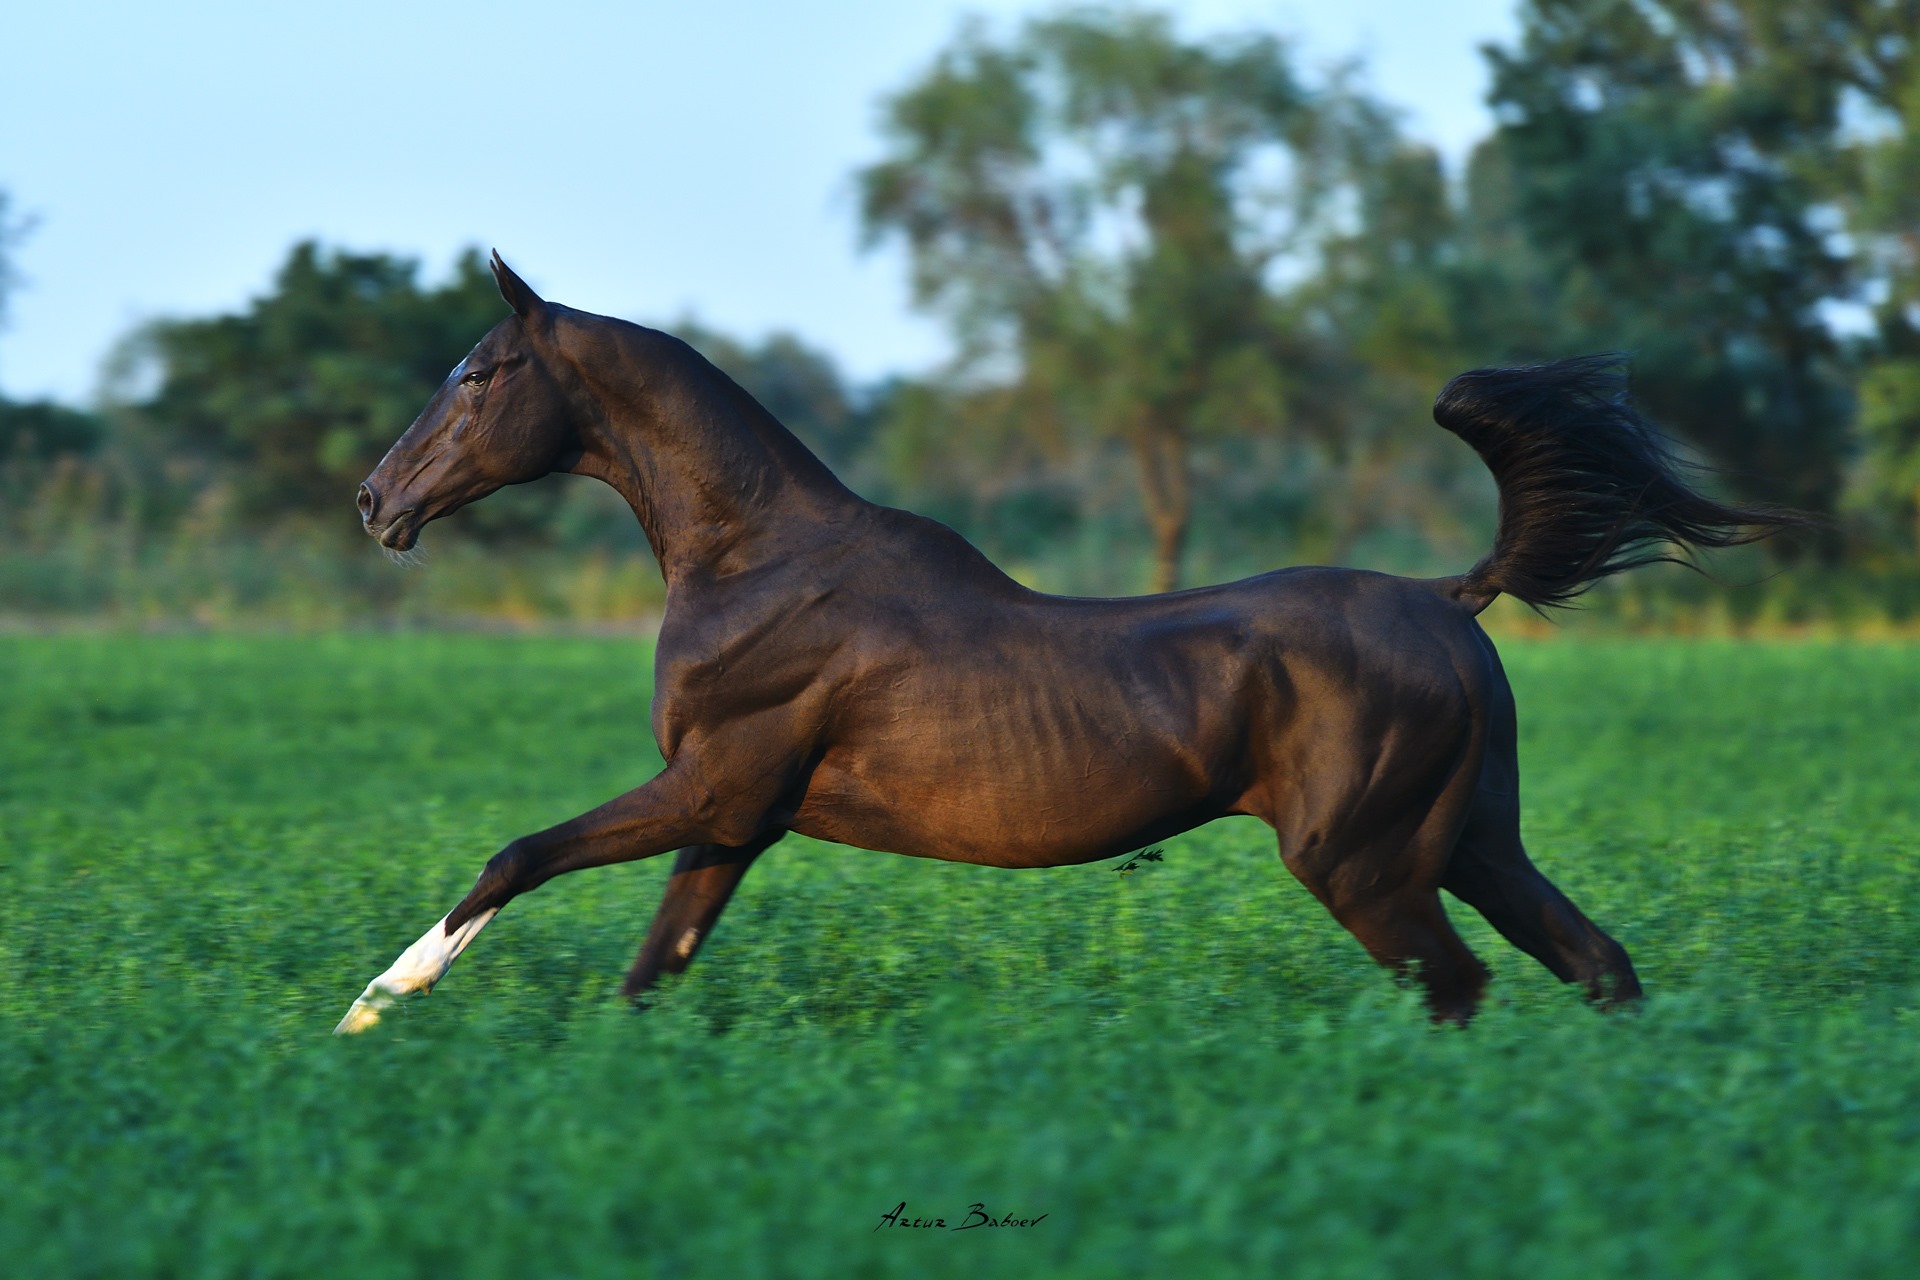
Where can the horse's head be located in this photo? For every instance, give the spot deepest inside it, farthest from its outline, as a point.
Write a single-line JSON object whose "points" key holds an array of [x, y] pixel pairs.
{"points": [[499, 418]]}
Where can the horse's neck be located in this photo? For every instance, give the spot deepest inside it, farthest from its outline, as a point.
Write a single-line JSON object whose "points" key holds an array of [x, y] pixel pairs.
{"points": [[715, 480]]}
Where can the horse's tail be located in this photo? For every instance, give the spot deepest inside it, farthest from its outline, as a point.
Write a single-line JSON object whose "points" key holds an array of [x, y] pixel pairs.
{"points": [[1588, 487]]}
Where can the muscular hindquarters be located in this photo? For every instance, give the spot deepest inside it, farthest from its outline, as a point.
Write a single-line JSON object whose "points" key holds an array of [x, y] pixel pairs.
{"points": [[1367, 783]]}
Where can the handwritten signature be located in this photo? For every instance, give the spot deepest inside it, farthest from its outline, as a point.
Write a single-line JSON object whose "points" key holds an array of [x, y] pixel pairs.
{"points": [[977, 1216], [1132, 864]]}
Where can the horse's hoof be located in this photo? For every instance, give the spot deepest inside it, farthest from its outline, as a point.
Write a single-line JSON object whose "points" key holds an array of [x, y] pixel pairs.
{"points": [[381, 995], [362, 1015], [419, 967]]}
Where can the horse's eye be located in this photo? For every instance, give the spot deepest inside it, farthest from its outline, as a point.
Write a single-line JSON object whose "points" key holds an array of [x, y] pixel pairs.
{"points": [[478, 378]]}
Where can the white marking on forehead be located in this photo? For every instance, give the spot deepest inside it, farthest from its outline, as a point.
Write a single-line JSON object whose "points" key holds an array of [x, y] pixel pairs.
{"points": [[460, 370]]}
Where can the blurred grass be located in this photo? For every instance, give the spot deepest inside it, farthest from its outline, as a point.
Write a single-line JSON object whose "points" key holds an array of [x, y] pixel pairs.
{"points": [[211, 842]]}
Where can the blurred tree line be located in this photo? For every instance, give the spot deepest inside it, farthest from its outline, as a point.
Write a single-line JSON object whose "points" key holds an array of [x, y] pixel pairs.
{"points": [[1200, 303]]}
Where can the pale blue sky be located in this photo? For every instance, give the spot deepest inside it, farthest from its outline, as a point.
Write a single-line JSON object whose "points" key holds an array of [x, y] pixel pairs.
{"points": [[642, 159]]}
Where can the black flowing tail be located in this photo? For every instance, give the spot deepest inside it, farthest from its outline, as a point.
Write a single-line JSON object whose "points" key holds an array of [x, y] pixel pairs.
{"points": [[1588, 487]]}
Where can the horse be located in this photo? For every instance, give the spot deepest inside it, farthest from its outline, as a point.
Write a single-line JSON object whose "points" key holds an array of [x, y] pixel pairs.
{"points": [[865, 676]]}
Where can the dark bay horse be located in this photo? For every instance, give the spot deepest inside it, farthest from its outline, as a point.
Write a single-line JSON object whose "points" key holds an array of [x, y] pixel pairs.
{"points": [[864, 675]]}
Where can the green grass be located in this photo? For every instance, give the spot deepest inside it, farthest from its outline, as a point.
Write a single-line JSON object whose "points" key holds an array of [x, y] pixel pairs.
{"points": [[210, 843]]}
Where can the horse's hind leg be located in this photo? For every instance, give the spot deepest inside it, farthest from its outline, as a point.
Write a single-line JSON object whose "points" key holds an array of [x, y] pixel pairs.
{"points": [[1490, 871], [1383, 887], [704, 878], [1409, 933]]}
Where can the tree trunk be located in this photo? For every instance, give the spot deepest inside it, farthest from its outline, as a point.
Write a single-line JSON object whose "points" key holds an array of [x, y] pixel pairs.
{"points": [[1166, 484]]}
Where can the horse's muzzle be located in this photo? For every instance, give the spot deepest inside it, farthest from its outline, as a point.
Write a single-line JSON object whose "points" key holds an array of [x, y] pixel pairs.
{"points": [[398, 532]]}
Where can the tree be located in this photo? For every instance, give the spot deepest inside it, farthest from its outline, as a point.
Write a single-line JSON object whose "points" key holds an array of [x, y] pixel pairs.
{"points": [[1097, 207], [11, 233], [36, 437], [39, 431], [296, 398], [1890, 431], [1404, 306], [1672, 164], [1879, 166]]}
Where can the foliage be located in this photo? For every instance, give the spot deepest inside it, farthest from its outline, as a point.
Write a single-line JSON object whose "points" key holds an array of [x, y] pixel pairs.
{"points": [[211, 843], [1097, 206], [1890, 431], [1870, 49], [49, 480], [294, 400], [38, 431], [1882, 68], [1202, 304], [1684, 169], [11, 233], [268, 418]]}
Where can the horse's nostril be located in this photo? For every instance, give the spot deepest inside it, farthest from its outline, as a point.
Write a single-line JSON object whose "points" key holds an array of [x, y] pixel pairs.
{"points": [[366, 502]]}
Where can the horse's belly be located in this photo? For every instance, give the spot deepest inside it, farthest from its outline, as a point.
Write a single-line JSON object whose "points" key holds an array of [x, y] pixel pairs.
{"points": [[1047, 755], [1014, 817]]}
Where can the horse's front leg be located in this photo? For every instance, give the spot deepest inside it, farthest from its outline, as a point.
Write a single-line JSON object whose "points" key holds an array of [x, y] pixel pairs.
{"points": [[674, 810], [704, 878]]}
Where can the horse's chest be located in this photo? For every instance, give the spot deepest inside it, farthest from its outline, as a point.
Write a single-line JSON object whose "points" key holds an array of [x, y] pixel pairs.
{"points": [[717, 700]]}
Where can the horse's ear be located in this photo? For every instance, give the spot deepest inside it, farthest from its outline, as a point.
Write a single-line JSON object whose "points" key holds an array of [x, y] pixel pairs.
{"points": [[519, 295]]}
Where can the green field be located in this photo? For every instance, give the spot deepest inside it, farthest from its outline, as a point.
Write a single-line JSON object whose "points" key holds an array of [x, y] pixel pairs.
{"points": [[210, 843]]}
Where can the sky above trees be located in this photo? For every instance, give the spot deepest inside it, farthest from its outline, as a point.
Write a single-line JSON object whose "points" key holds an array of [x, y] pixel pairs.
{"points": [[646, 160]]}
